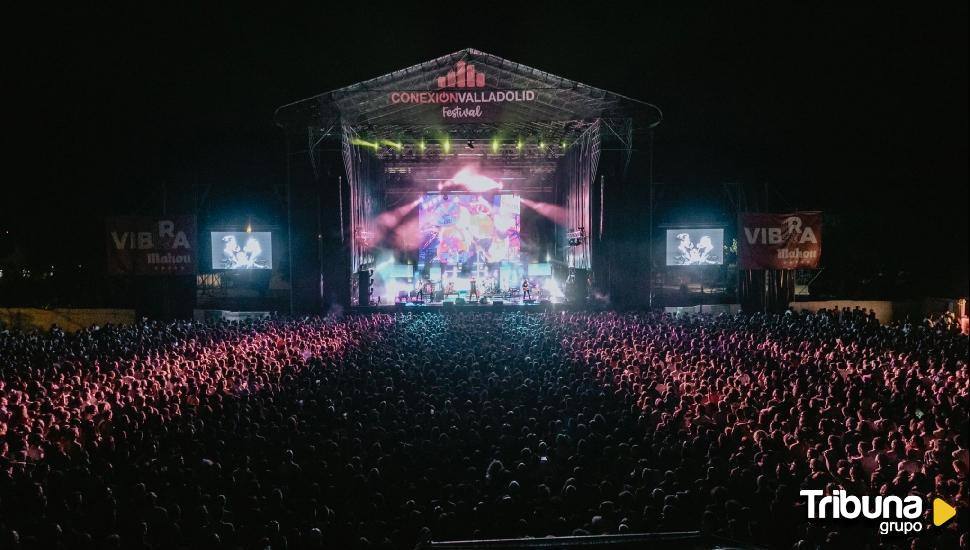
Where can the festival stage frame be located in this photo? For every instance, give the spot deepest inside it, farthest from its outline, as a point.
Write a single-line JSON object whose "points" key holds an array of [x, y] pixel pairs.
{"points": [[470, 168]]}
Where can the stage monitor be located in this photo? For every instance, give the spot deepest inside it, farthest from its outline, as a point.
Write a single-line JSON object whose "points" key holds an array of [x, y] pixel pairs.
{"points": [[466, 229], [695, 246], [242, 250]]}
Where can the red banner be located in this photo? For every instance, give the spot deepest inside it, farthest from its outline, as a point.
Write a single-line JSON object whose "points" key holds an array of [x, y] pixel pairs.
{"points": [[779, 241], [152, 246]]}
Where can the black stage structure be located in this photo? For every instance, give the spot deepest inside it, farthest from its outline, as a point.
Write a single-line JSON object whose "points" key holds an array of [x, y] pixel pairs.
{"points": [[551, 160]]}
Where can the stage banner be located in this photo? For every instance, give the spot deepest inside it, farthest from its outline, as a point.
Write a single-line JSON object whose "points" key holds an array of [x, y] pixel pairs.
{"points": [[469, 94], [779, 241], [152, 246]]}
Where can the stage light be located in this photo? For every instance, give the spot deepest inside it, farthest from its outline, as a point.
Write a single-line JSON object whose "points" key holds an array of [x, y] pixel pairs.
{"points": [[421, 146], [471, 180], [519, 145], [249, 228], [395, 144], [495, 146], [576, 237], [557, 214], [542, 145], [553, 289], [372, 144], [564, 145], [446, 146]]}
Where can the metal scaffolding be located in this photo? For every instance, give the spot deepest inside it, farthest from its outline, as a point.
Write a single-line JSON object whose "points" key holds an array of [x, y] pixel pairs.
{"points": [[546, 147]]}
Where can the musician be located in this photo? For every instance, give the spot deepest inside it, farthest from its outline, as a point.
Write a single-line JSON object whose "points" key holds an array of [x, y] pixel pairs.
{"points": [[491, 286], [526, 289], [473, 289], [450, 289]]}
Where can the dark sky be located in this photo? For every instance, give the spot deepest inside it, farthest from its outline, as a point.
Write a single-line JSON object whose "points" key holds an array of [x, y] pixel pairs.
{"points": [[857, 111]]}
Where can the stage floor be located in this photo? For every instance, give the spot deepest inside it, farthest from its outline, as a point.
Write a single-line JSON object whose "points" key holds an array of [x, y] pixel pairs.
{"points": [[448, 307], [461, 298]]}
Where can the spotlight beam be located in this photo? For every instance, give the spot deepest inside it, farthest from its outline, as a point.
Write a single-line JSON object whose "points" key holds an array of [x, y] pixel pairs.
{"points": [[558, 214]]}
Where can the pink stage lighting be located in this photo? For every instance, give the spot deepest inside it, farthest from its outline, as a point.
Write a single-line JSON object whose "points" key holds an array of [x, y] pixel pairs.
{"points": [[554, 212], [469, 179], [393, 225]]}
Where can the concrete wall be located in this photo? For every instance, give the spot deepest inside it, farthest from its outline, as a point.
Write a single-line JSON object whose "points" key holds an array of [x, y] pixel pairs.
{"points": [[883, 309], [886, 311], [67, 319], [711, 309], [215, 315]]}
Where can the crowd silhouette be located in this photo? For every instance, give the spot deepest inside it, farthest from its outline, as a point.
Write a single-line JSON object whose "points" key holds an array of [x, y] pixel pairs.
{"points": [[383, 430]]}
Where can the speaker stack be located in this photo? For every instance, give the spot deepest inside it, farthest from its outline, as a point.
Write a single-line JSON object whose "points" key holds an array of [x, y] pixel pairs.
{"points": [[364, 287]]}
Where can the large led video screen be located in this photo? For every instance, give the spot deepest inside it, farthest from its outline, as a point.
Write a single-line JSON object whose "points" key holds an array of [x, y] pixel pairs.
{"points": [[242, 250], [467, 229], [540, 270], [695, 246]]}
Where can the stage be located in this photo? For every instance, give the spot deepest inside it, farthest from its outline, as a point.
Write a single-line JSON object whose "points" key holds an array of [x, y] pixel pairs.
{"points": [[466, 172], [476, 307]]}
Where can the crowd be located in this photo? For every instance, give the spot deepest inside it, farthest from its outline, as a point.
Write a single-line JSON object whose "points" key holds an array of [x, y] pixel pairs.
{"points": [[383, 430]]}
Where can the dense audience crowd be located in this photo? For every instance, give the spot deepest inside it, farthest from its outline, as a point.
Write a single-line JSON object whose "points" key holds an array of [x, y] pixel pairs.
{"points": [[383, 430]]}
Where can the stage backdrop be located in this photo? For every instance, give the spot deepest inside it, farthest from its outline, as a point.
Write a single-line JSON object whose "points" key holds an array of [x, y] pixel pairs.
{"points": [[461, 229], [152, 246], [779, 241]]}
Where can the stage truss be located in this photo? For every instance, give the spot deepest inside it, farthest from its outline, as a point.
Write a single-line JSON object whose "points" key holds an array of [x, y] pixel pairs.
{"points": [[546, 149]]}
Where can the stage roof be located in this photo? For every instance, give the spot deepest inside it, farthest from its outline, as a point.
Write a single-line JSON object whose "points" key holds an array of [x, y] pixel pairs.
{"points": [[397, 105]]}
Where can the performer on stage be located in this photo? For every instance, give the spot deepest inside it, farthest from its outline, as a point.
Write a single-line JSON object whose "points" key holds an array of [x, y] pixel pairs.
{"points": [[491, 285], [526, 289], [473, 289]]}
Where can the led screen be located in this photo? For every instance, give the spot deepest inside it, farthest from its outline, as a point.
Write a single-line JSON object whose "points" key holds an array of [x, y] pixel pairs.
{"points": [[468, 229], [695, 246], [402, 271], [540, 270], [241, 250]]}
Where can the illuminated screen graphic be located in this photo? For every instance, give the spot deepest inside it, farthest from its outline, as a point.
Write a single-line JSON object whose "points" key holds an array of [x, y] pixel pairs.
{"points": [[540, 270], [241, 250], [402, 271], [695, 246], [469, 229]]}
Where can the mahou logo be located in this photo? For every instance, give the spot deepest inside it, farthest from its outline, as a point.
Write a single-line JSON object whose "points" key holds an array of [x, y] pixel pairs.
{"points": [[464, 76]]}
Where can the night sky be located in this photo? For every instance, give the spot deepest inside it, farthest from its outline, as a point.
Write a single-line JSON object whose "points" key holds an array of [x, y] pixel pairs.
{"points": [[859, 112]]}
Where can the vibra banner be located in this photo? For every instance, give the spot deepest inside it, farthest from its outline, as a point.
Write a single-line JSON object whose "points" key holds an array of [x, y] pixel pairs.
{"points": [[779, 241], [152, 246]]}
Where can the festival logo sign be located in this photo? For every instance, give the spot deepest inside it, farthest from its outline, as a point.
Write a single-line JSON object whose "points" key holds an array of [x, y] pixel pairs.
{"points": [[779, 241], [152, 246], [464, 76], [462, 95]]}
